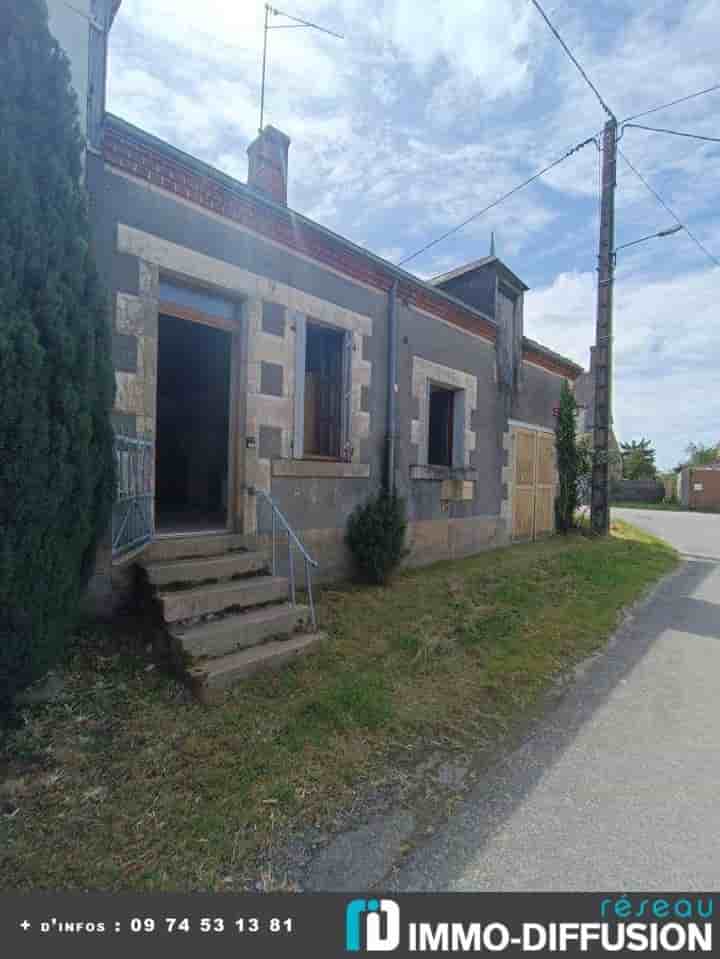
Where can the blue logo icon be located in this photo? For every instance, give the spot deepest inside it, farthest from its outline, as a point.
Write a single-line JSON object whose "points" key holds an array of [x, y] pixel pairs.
{"points": [[371, 915]]}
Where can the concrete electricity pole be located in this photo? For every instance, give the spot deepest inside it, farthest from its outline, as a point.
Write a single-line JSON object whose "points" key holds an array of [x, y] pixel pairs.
{"points": [[600, 497]]}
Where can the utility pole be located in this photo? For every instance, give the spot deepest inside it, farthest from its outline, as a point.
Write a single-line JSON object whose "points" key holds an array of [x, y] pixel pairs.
{"points": [[600, 497]]}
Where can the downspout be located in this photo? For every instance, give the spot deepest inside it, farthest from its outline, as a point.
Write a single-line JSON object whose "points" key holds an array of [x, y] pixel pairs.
{"points": [[392, 387]]}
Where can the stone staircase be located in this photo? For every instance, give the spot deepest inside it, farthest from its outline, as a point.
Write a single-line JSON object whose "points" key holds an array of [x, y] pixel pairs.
{"points": [[227, 612]]}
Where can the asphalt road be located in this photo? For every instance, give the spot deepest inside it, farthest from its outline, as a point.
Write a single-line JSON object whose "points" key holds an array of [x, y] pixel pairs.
{"points": [[619, 788]]}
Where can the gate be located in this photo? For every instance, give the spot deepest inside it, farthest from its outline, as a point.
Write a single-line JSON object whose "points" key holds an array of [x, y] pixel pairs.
{"points": [[133, 521], [534, 481]]}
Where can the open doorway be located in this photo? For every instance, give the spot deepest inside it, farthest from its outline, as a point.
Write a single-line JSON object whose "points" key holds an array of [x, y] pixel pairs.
{"points": [[193, 407]]}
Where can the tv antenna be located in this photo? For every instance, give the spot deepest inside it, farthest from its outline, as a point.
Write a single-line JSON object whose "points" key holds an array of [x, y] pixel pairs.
{"points": [[297, 24]]}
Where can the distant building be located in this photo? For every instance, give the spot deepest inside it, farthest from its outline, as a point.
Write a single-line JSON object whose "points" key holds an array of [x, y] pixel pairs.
{"points": [[698, 487]]}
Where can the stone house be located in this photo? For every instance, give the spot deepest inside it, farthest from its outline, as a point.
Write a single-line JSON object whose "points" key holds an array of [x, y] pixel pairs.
{"points": [[252, 346], [271, 375]]}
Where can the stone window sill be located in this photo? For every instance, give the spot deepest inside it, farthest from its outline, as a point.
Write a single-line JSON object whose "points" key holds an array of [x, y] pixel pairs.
{"points": [[440, 473], [320, 469]]}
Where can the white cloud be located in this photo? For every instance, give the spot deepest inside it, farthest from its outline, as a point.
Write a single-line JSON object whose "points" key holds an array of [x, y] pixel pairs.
{"points": [[667, 340]]}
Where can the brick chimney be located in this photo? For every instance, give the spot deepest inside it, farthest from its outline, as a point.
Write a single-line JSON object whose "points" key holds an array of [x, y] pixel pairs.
{"points": [[267, 164]]}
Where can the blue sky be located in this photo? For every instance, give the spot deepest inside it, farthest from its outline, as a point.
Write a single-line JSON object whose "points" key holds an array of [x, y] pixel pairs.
{"points": [[429, 110]]}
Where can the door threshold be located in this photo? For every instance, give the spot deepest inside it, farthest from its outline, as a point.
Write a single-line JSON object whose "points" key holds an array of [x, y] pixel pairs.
{"points": [[184, 534]]}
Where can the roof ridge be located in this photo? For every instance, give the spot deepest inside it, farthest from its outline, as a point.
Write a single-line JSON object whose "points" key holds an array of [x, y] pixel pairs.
{"points": [[123, 128]]}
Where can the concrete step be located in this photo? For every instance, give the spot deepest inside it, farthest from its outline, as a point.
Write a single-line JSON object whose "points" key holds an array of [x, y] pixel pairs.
{"points": [[215, 675], [200, 600], [221, 567], [228, 635], [165, 549]]}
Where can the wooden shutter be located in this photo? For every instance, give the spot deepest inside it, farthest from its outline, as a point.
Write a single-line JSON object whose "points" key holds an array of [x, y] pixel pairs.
{"points": [[346, 408], [458, 444], [535, 480], [545, 485], [524, 484]]}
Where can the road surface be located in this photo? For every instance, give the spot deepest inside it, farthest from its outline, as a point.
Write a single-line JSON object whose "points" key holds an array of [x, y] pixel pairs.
{"points": [[619, 788]]}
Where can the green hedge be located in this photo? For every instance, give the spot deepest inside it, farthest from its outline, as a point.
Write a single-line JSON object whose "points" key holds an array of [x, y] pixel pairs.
{"points": [[56, 381]]}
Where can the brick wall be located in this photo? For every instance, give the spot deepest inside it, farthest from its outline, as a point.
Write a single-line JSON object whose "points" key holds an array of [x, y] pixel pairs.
{"points": [[709, 496]]}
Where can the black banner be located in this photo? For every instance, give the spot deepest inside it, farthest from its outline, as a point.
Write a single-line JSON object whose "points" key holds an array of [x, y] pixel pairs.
{"points": [[331, 925]]}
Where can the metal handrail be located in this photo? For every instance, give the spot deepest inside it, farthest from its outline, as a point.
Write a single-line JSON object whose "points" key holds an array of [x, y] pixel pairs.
{"points": [[292, 539], [132, 517]]}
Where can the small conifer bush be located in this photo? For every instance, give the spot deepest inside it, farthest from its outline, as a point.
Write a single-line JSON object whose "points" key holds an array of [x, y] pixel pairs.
{"points": [[376, 536]]}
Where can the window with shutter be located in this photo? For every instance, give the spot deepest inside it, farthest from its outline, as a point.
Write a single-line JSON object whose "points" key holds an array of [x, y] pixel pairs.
{"points": [[323, 390]]}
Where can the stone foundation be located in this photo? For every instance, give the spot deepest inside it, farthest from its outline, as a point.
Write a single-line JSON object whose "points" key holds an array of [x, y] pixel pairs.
{"points": [[428, 541]]}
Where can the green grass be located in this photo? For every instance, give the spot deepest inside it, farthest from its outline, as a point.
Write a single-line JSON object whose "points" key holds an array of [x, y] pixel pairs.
{"points": [[125, 784]]}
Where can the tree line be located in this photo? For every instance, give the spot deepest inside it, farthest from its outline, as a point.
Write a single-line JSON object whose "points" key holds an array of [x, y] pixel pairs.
{"points": [[638, 458]]}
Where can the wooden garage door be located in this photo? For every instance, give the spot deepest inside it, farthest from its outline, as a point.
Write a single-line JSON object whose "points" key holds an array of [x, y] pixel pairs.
{"points": [[524, 487], [545, 485], [534, 486]]}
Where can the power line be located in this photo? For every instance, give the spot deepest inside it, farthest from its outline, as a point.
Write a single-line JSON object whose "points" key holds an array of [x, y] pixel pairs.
{"points": [[672, 213], [497, 202], [574, 59], [677, 133], [672, 103]]}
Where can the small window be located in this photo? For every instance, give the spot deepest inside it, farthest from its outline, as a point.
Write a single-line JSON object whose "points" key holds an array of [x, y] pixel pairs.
{"points": [[323, 425], [441, 426]]}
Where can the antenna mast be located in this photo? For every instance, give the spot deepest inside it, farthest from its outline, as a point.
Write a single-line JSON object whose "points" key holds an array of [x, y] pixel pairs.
{"points": [[297, 24]]}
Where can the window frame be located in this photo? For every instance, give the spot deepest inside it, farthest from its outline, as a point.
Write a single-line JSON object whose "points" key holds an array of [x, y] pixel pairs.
{"points": [[457, 451], [301, 322], [447, 441]]}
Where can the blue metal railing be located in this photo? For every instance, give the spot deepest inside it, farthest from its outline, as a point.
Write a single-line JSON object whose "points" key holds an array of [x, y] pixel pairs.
{"points": [[132, 515]]}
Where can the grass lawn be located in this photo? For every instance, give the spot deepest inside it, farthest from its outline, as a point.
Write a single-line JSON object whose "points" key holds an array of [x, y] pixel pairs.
{"points": [[123, 783]]}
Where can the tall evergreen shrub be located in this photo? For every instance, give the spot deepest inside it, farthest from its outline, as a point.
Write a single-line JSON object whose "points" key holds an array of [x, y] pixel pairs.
{"points": [[568, 461], [56, 381]]}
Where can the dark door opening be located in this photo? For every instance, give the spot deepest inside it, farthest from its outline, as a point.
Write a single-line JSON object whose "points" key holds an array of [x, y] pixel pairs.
{"points": [[440, 427], [323, 392], [193, 407]]}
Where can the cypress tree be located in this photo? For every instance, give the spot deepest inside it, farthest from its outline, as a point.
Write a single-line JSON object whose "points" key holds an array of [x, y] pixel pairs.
{"points": [[568, 461], [56, 381]]}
